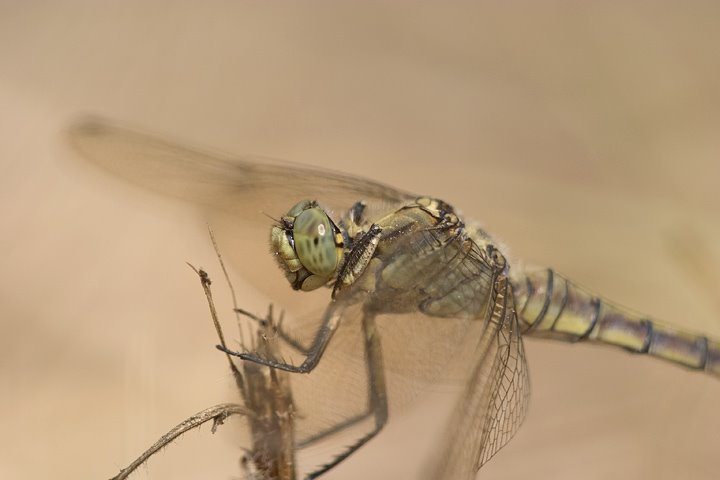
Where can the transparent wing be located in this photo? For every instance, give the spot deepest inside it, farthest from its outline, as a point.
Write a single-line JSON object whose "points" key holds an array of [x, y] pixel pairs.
{"points": [[245, 186], [496, 397], [237, 195], [419, 351]]}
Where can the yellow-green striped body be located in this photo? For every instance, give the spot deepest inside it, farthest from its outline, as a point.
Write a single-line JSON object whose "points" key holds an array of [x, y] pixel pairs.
{"points": [[551, 306]]}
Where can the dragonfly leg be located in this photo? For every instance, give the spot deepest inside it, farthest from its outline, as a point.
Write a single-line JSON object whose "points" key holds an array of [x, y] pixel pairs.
{"points": [[285, 336], [330, 323], [377, 401]]}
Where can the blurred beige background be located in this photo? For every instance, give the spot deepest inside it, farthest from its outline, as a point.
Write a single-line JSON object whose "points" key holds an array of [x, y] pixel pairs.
{"points": [[585, 136]]}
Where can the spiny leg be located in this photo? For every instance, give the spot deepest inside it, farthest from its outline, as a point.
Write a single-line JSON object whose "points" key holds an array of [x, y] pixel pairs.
{"points": [[330, 323], [377, 391], [377, 397], [285, 336], [296, 345]]}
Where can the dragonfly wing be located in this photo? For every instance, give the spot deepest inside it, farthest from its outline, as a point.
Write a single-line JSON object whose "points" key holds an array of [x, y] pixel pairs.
{"points": [[246, 186], [237, 196], [495, 400]]}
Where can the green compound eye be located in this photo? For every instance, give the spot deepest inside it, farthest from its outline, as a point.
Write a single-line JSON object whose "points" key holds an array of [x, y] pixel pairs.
{"points": [[315, 242]]}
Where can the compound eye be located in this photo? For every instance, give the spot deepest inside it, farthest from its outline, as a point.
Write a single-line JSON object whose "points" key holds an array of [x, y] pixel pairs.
{"points": [[315, 242]]}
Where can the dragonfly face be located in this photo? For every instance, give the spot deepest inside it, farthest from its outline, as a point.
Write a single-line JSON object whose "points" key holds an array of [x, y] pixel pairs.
{"points": [[308, 246]]}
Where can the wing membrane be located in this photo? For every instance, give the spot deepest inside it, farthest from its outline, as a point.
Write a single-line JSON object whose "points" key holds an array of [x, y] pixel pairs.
{"points": [[236, 195], [244, 186], [495, 400]]}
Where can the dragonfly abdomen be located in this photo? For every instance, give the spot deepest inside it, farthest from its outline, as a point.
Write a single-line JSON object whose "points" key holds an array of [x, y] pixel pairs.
{"points": [[551, 306]]}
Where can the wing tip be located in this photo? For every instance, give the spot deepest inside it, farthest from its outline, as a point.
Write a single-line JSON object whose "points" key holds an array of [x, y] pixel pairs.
{"points": [[88, 125]]}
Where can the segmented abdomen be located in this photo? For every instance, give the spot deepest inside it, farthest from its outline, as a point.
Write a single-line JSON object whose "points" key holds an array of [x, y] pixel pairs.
{"points": [[549, 305]]}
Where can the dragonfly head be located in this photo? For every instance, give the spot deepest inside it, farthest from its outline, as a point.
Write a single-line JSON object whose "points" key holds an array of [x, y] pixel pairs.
{"points": [[308, 246]]}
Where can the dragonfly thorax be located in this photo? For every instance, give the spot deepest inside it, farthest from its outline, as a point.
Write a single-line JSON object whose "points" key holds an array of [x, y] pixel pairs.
{"points": [[308, 246]]}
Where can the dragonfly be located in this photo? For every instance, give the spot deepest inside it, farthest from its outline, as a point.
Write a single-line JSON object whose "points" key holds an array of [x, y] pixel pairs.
{"points": [[407, 293]]}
